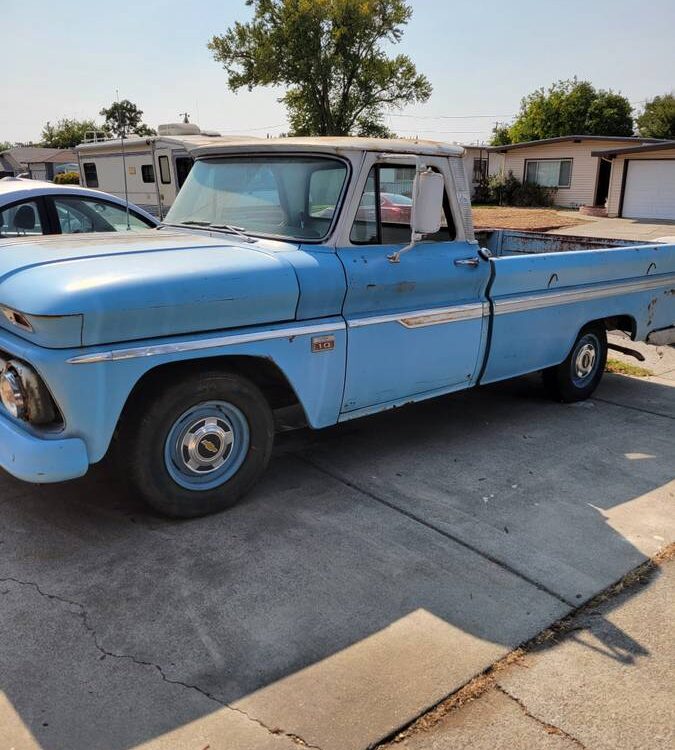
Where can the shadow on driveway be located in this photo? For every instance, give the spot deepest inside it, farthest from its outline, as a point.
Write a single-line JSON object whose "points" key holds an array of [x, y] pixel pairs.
{"points": [[378, 567]]}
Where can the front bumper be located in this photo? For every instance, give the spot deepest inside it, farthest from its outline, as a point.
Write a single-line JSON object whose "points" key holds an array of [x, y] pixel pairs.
{"points": [[40, 460]]}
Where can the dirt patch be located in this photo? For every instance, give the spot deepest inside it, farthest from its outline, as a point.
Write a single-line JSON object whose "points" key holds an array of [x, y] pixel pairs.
{"points": [[534, 219]]}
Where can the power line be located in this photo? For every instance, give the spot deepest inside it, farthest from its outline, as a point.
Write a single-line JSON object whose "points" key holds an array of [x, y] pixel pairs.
{"points": [[449, 117]]}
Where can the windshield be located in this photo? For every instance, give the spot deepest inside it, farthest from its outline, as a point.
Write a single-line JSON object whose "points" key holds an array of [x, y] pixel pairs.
{"points": [[292, 197]]}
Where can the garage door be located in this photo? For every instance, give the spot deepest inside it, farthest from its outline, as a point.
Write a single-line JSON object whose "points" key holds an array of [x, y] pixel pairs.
{"points": [[650, 190]]}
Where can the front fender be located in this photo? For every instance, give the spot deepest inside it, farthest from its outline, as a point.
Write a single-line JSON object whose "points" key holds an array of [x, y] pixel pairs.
{"points": [[92, 386]]}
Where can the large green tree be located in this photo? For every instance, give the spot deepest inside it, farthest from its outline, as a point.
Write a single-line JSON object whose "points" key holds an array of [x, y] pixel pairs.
{"points": [[329, 55], [66, 133], [568, 108], [658, 117], [125, 118]]}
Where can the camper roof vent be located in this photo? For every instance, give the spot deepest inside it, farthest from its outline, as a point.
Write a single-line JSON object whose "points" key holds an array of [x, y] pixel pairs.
{"points": [[179, 128]]}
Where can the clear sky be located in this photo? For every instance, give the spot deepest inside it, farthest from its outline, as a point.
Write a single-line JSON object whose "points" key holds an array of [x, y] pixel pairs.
{"points": [[66, 58]]}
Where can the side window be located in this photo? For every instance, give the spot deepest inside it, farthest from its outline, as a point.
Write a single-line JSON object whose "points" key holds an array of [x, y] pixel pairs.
{"points": [[79, 215], [164, 170], [383, 216], [90, 174], [148, 173], [20, 220]]}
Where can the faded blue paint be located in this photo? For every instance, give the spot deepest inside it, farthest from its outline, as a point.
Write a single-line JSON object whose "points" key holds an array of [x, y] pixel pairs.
{"points": [[387, 361], [91, 295]]}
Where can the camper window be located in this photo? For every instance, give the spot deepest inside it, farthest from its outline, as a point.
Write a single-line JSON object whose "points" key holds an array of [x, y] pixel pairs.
{"points": [[164, 171], [148, 173], [90, 174]]}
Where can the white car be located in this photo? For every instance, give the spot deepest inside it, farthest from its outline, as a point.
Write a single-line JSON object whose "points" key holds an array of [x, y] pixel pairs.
{"points": [[31, 207]]}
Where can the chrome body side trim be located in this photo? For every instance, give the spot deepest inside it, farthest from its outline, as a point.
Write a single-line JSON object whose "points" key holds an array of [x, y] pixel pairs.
{"points": [[421, 318], [116, 355], [550, 299]]}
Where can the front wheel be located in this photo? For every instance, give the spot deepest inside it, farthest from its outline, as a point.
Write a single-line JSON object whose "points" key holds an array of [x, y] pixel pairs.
{"points": [[199, 444], [578, 376]]}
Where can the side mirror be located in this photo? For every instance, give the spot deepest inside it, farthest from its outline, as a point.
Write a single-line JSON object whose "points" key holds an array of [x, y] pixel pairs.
{"points": [[427, 208]]}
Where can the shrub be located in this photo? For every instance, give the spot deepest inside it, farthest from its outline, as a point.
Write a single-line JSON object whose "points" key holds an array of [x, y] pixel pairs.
{"points": [[510, 191], [67, 178]]}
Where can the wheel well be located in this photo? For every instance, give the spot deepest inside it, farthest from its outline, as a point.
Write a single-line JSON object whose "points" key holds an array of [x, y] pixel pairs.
{"points": [[261, 371], [624, 323]]}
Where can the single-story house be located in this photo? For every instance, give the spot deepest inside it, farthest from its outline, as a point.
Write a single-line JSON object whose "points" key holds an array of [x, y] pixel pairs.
{"points": [[568, 163], [9, 166], [642, 180], [37, 162]]}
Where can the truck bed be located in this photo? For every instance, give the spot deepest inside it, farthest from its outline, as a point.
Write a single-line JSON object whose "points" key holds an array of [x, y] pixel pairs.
{"points": [[504, 242]]}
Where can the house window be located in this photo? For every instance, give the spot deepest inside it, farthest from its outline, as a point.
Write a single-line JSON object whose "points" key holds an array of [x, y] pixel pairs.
{"points": [[90, 174], [164, 171], [555, 173], [147, 173], [479, 169]]}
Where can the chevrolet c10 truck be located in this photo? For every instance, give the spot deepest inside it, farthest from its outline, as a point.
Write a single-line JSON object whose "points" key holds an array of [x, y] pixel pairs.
{"points": [[340, 275]]}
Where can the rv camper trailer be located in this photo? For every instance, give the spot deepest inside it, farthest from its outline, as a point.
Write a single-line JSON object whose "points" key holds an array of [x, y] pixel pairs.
{"points": [[155, 166]]}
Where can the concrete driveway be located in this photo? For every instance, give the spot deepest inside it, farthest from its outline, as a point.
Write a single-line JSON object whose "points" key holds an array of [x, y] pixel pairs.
{"points": [[622, 229], [378, 567]]}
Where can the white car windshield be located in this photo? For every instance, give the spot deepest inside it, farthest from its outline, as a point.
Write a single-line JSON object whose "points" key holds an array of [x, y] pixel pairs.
{"points": [[290, 197]]}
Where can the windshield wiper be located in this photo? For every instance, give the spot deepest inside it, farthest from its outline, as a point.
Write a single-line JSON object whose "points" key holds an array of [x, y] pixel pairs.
{"points": [[240, 231]]}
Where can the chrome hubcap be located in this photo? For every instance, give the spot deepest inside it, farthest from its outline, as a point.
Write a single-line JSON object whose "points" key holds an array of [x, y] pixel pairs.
{"points": [[206, 444], [585, 360]]}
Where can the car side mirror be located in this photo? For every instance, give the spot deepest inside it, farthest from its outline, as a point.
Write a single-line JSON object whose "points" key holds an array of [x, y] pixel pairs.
{"points": [[427, 208]]}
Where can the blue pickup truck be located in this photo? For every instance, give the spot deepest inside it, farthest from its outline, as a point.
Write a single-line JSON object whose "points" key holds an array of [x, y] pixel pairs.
{"points": [[340, 275]]}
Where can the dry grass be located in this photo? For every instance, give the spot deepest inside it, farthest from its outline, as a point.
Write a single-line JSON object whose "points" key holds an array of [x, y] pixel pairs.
{"points": [[626, 368], [534, 219]]}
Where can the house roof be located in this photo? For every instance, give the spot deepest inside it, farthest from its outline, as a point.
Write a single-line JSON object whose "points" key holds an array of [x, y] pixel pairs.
{"points": [[575, 139], [37, 154], [8, 163], [612, 152], [63, 156]]}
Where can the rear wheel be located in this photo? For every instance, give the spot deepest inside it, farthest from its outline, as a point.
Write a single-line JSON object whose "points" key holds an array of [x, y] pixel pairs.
{"points": [[578, 376], [199, 444]]}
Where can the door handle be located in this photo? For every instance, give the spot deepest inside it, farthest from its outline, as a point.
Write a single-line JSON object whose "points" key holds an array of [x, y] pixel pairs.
{"points": [[470, 262]]}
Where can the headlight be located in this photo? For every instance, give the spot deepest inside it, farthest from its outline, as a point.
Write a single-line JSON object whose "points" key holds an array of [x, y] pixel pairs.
{"points": [[12, 394], [24, 395]]}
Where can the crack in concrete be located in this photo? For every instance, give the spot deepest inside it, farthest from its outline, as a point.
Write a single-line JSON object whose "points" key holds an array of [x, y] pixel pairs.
{"points": [[84, 616], [485, 555], [548, 728]]}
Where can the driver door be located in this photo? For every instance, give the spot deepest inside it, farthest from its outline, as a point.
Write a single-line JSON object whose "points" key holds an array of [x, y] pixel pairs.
{"points": [[414, 328]]}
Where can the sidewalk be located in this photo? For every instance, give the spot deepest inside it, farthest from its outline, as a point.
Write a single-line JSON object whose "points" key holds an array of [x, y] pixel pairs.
{"points": [[601, 679]]}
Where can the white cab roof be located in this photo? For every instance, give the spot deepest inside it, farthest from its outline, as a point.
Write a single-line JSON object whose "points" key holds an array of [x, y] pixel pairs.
{"points": [[332, 144]]}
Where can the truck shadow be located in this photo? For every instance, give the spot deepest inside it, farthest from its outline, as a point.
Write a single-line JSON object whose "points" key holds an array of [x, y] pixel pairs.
{"points": [[398, 555]]}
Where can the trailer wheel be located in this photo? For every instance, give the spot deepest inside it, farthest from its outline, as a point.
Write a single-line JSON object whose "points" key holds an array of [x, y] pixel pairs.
{"points": [[199, 444], [578, 376]]}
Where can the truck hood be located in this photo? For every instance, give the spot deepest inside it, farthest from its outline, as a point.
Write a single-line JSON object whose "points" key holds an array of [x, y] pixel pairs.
{"points": [[85, 290]]}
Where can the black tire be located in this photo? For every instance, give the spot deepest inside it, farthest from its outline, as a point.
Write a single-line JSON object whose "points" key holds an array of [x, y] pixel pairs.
{"points": [[158, 444], [567, 382]]}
